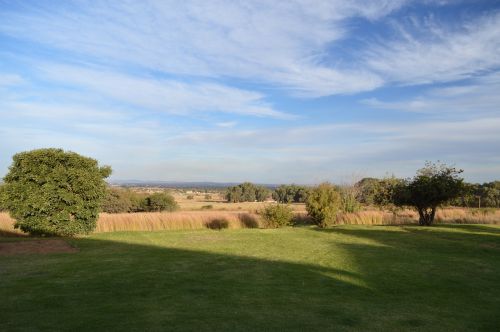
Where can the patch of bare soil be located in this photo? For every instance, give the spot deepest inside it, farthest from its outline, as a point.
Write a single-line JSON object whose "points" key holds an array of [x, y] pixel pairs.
{"points": [[45, 246]]}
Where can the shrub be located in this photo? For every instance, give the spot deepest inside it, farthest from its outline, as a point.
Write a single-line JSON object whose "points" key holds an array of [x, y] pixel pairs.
{"points": [[323, 204], [190, 197], [53, 192], [350, 202], [207, 207], [278, 215], [158, 202], [218, 224], [208, 197]]}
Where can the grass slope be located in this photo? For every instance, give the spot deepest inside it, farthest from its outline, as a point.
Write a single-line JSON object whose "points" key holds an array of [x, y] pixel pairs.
{"points": [[347, 278]]}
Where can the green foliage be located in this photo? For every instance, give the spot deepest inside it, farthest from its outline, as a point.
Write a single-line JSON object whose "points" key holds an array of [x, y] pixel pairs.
{"points": [[158, 202], [349, 196], [323, 204], [290, 194], [277, 215], [53, 192], [3, 199], [247, 192], [367, 189], [385, 191], [434, 185], [116, 201], [120, 200]]}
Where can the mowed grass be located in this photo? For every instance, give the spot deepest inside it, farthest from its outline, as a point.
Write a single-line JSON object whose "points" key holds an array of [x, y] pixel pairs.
{"points": [[386, 278]]}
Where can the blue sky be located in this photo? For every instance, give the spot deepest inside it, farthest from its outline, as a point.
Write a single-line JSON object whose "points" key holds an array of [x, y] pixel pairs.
{"points": [[265, 91]]}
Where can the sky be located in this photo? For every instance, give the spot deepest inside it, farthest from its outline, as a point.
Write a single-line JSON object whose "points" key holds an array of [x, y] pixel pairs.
{"points": [[262, 91]]}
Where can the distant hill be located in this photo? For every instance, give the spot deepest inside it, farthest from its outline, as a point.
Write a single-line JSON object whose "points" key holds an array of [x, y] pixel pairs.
{"points": [[180, 184]]}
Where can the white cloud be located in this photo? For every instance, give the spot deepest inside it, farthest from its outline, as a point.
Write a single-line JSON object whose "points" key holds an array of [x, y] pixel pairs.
{"points": [[427, 51], [164, 95], [227, 124], [478, 98], [281, 43]]}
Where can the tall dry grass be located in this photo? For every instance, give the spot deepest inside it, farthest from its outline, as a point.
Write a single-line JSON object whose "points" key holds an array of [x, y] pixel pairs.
{"points": [[156, 221], [7, 226]]}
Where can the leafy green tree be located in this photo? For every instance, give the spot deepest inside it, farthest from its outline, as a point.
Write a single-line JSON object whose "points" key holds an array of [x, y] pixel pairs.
{"points": [[385, 192], [53, 192], [246, 192], [234, 194], [323, 204], [434, 185], [367, 190], [161, 202], [491, 194], [290, 194], [277, 215], [116, 201], [261, 193]]}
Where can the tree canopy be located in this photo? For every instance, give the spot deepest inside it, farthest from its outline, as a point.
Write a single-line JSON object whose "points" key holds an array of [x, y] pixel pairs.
{"points": [[247, 192], [432, 186], [54, 192]]}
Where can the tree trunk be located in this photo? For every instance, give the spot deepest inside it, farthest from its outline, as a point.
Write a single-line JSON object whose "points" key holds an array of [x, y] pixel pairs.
{"points": [[426, 216]]}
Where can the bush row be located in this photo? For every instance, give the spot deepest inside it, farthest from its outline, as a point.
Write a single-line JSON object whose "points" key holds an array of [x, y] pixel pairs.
{"points": [[119, 200]]}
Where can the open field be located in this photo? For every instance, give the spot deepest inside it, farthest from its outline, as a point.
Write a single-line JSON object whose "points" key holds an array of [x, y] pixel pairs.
{"points": [[217, 202], [386, 278]]}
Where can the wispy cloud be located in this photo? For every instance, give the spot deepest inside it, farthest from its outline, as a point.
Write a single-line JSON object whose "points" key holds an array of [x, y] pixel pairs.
{"points": [[477, 98], [272, 42], [164, 95], [429, 51]]}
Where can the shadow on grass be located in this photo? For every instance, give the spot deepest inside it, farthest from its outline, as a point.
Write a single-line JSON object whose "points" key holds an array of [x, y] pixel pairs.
{"points": [[111, 285], [405, 278]]}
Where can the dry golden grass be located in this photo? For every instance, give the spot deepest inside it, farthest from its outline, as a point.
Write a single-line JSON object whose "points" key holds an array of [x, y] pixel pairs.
{"points": [[156, 221], [7, 226]]}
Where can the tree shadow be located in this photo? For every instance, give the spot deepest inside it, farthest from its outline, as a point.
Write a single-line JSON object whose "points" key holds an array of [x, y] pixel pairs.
{"points": [[110, 285], [388, 278]]}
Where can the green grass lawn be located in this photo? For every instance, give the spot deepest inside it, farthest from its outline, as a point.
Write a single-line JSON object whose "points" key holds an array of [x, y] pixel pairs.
{"points": [[444, 278]]}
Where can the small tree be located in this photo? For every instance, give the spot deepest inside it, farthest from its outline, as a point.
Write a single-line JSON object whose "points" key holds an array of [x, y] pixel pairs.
{"points": [[261, 193], [290, 194], [434, 185], [277, 215], [161, 202], [116, 201], [350, 201], [50, 191], [323, 204]]}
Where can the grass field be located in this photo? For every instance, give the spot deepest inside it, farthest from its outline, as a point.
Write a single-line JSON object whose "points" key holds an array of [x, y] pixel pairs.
{"points": [[386, 278]]}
